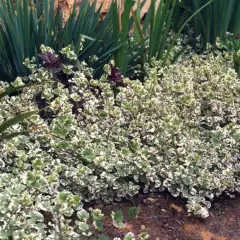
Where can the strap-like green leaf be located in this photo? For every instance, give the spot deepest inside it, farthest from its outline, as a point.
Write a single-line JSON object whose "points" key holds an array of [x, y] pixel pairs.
{"points": [[19, 118], [12, 135], [14, 89]]}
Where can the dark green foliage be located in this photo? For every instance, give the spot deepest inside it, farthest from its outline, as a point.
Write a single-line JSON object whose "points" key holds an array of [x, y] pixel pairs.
{"points": [[215, 20], [29, 24], [117, 218], [133, 212]]}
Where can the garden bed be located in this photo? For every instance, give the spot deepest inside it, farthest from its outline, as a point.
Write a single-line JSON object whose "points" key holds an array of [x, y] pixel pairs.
{"points": [[123, 108], [165, 218]]}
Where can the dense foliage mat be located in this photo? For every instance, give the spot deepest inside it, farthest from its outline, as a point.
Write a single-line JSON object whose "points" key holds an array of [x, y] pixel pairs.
{"points": [[106, 139]]}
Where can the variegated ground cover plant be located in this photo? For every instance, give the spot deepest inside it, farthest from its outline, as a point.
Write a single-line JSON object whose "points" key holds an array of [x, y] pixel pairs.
{"points": [[104, 140]]}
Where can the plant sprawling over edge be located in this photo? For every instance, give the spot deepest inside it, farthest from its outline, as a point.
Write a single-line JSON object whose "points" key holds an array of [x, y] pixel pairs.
{"points": [[94, 140]]}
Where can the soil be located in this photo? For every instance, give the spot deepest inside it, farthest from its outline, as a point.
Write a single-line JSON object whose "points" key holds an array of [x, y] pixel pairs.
{"points": [[166, 218]]}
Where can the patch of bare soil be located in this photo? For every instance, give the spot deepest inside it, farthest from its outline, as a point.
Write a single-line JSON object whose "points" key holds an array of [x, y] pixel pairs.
{"points": [[166, 218]]}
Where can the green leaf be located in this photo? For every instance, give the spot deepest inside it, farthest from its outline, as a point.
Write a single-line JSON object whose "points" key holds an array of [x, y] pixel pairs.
{"points": [[19, 118], [14, 89], [24, 30], [83, 226], [37, 215], [170, 47], [129, 236], [133, 212], [76, 200], [99, 224], [37, 164], [30, 176], [144, 236], [140, 36], [62, 145], [12, 135], [219, 17], [62, 196], [178, 54], [88, 154], [117, 217], [83, 215], [103, 237], [121, 25]]}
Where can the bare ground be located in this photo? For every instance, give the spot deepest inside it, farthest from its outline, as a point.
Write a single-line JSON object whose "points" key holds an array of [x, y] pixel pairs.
{"points": [[166, 218]]}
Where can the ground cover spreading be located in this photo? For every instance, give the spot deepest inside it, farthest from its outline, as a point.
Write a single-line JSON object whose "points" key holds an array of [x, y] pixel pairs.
{"points": [[124, 107], [109, 139]]}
